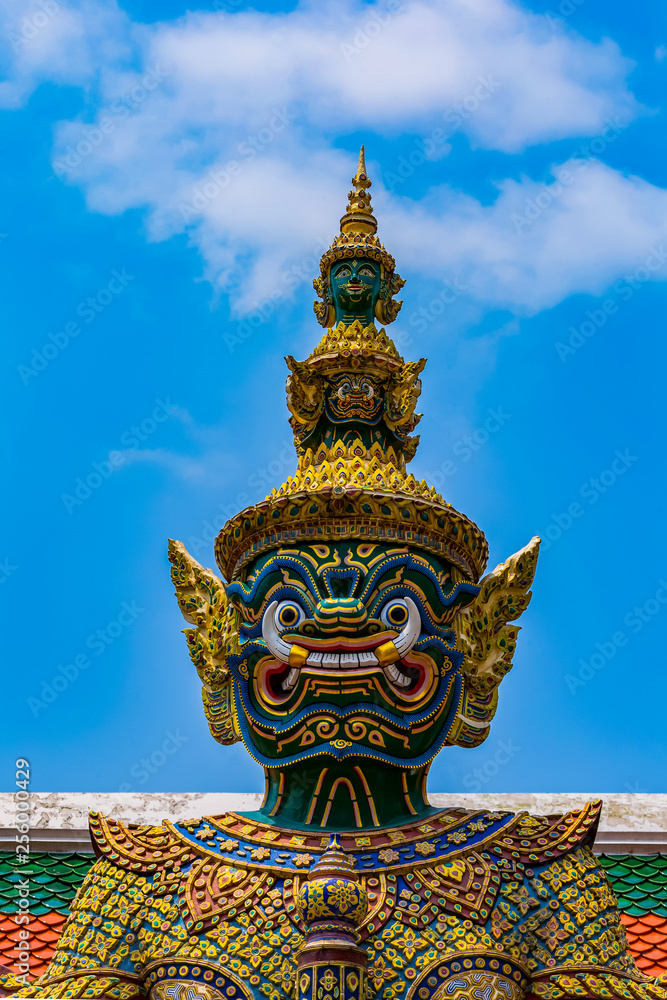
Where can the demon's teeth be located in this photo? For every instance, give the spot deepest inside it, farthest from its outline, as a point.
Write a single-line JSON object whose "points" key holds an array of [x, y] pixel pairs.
{"points": [[287, 653], [345, 660], [394, 674], [291, 679]]}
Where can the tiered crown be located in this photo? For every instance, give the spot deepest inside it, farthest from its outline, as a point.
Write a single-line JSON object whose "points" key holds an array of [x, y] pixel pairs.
{"points": [[352, 405]]}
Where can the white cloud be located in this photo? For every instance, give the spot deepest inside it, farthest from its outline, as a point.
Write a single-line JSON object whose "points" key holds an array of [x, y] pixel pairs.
{"points": [[417, 63], [537, 243], [51, 40], [226, 134]]}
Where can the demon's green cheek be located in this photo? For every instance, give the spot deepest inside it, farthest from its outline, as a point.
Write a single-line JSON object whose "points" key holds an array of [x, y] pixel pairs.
{"points": [[346, 650]]}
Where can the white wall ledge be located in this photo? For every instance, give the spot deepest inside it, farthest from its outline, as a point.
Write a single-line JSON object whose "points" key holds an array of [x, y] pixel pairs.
{"points": [[630, 823]]}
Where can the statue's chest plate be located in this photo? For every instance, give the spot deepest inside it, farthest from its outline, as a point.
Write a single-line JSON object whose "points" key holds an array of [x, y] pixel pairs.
{"points": [[453, 863], [222, 867], [214, 892]]}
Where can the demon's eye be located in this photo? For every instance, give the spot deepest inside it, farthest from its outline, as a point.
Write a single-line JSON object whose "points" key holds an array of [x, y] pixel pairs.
{"points": [[344, 272], [367, 271], [395, 614], [288, 615]]}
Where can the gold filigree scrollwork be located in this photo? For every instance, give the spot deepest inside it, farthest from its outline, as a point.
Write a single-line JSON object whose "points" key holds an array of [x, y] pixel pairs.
{"points": [[464, 886], [214, 888], [305, 398], [402, 394], [488, 634], [203, 603]]}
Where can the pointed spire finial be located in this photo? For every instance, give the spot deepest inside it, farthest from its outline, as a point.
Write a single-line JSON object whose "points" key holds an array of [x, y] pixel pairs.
{"points": [[359, 218], [361, 166]]}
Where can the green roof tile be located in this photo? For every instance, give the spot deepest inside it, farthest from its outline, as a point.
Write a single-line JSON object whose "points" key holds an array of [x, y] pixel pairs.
{"points": [[639, 881], [54, 880]]}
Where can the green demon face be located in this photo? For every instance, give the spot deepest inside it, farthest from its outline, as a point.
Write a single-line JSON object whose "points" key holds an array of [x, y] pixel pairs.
{"points": [[355, 286], [348, 649]]}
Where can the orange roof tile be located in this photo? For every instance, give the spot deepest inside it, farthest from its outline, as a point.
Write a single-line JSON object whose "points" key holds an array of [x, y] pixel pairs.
{"points": [[43, 939], [647, 940]]}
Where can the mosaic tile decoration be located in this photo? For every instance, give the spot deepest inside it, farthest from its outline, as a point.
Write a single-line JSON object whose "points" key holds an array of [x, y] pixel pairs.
{"points": [[639, 882]]}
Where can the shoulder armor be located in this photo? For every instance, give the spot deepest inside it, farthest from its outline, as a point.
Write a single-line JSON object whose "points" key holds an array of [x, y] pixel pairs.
{"points": [[539, 839], [143, 849]]}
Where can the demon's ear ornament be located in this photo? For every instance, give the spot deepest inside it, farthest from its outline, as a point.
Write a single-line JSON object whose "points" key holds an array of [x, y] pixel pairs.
{"points": [[488, 637], [402, 394], [203, 602], [324, 309], [305, 398], [387, 307]]}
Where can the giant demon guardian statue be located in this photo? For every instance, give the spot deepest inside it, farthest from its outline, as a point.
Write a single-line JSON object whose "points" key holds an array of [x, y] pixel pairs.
{"points": [[354, 638]]}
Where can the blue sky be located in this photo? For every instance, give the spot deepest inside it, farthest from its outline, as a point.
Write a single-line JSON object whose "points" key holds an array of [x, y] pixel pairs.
{"points": [[152, 289]]}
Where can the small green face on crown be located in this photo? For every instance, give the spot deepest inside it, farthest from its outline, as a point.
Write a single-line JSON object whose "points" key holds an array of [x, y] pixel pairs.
{"points": [[355, 288]]}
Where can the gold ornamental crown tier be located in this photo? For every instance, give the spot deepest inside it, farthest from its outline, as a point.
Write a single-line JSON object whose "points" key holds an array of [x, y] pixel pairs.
{"points": [[352, 410]]}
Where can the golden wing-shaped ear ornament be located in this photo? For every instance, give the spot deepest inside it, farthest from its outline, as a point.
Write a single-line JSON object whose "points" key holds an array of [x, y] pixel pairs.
{"points": [[203, 602], [305, 399], [488, 636]]}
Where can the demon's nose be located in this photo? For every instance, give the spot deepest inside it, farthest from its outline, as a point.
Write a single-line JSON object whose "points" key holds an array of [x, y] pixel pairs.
{"points": [[340, 614]]}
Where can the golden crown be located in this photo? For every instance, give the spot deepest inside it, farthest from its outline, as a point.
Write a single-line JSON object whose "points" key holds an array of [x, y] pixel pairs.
{"points": [[345, 487]]}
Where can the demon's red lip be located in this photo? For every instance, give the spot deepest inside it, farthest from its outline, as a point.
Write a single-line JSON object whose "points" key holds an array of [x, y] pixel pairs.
{"points": [[275, 674]]}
